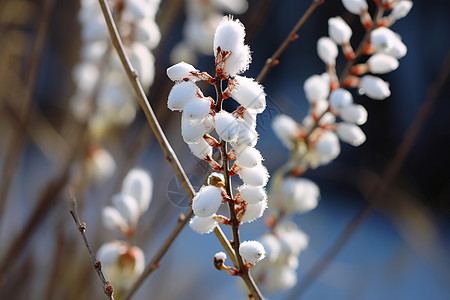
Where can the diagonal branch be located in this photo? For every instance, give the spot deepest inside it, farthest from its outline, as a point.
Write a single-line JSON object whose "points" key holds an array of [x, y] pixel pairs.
{"points": [[107, 288], [292, 36]]}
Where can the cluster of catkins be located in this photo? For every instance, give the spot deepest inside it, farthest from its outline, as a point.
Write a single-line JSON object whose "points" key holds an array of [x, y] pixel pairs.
{"points": [[104, 97], [122, 263], [202, 18], [201, 115], [315, 141]]}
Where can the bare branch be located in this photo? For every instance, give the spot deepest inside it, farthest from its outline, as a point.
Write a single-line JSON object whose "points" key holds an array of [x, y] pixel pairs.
{"points": [[107, 288], [292, 36]]}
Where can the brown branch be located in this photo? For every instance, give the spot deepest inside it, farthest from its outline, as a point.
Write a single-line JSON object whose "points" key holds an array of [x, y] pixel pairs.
{"points": [[13, 150], [379, 191], [273, 60], [107, 288], [243, 272], [162, 140]]}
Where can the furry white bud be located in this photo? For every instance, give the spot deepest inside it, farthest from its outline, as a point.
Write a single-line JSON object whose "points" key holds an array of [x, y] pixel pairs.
{"points": [[138, 184], [180, 71], [226, 126], [339, 30], [381, 63], [316, 88], [256, 176], [128, 208], [197, 108], [249, 94], [286, 129], [201, 149], [398, 50], [383, 39], [247, 136], [220, 256], [249, 157], [355, 6], [340, 98], [192, 130], [375, 87], [252, 251], [327, 147], [300, 195], [207, 201], [401, 9], [203, 225], [354, 113], [112, 219], [180, 94], [254, 211], [350, 133], [327, 50], [252, 194]]}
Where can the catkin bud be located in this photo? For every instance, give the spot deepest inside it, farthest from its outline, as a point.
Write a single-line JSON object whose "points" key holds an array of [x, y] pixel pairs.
{"points": [[252, 194], [254, 211], [203, 225], [316, 88], [207, 201], [355, 6], [340, 98], [401, 9], [375, 87], [350, 133], [381, 63], [327, 50], [249, 157], [256, 176], [249, 94], [252, 251], [354, 113], [226, 126], [197, 108], [180, 71], [201, 149], [180, 94], [138, 184], [339, 30]]}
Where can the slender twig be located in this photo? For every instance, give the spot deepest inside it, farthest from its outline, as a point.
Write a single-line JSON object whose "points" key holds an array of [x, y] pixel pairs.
{"points": [[13, 151], [107, 288], [273, 60], [379, 191], [243, 272], [47, 199], [162, 140]]}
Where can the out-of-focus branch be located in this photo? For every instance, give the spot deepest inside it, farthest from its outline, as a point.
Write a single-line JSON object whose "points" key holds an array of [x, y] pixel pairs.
{"points": [[378, 192], [273, 60], [164, 143], [107, 288], [14, 146]]}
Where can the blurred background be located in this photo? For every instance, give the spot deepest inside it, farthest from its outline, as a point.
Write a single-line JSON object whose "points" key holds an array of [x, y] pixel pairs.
{"points": [[399, 251]]}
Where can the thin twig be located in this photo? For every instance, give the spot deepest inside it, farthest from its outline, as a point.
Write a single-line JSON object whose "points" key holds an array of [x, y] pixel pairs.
{"points": [[107, 288], [292, 36], [13, 151], [382, 187], [243, 272], [162, 140]]}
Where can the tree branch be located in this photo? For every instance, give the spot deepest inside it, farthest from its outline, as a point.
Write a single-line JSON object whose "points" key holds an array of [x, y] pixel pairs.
{"points": [[292, 36], [163, 142], [107, 288]]}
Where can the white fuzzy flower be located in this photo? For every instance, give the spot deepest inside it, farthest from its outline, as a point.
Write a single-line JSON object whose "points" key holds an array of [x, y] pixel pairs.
{"points": [[201, 149], [128, 208], [247, 136], [138, 184], [339, 30], [249, 157], [286, 129], [112, 219], [180, 94], [316, 88], [383, 39], [271, 245], [180, 71], [350, 133], [143, 61], [99, 164], [86, 75], [401, 9], [229, 36], [220, 256], [256, 176], [122, 264], [300, 195], [226, 126], [354, 113], [381, 63], [340, 98], [207, 201], [398, 50], [292, 239], [327, 50], [355, 6], [147, 32], [252, 194], [249, 94], [203, 225], [252, 251], [375, 87], [280, 278], [197, 108], [192, 130], [254, 211], [327, 147]]}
